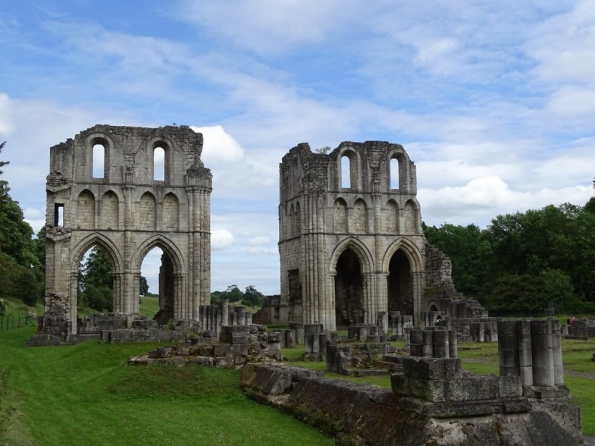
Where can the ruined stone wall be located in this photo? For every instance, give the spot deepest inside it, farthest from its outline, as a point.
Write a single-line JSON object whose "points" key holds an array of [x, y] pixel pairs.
{"points": [[376, 220], [127, 212]]}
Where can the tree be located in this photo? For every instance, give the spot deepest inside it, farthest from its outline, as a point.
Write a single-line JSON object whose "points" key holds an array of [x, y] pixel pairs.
{"points": [[323, 150], [21, 273], [96, 281], [143, 286], [252, 297]]}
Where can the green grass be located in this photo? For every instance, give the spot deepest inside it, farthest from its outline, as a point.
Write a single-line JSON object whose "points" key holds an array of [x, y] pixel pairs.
{"points": [[87, 394], [149, 306]]}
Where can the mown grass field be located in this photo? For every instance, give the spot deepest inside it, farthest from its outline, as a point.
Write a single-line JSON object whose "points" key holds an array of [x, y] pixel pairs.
{"points": [[87, 395]]}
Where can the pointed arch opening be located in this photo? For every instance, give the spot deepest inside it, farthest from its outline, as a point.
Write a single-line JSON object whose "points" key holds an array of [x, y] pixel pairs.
{"points": [[95, 281], [160, 263], [400, 284], [156, 297], [349, 290]]}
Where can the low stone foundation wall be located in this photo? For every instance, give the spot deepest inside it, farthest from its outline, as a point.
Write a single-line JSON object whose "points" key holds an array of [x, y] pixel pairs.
{"points": [[236, 346], [366, 415]]}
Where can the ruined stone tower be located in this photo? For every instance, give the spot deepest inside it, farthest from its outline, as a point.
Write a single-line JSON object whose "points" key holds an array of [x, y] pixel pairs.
{"points": [[350, 235], [127, 212]]}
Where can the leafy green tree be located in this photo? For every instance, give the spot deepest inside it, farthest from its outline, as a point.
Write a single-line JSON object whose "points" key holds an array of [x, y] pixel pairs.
{"points": [[96, 281], [143, 286], [21, 273], [463, 245], [252, 297]]}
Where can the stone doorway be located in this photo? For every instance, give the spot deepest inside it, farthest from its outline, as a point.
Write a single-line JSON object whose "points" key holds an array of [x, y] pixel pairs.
{"points": [[349, 290], [400, 284]]}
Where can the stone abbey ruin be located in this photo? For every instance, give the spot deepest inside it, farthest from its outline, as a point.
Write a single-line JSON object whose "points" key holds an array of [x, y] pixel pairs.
{"points": [[353, 258]]}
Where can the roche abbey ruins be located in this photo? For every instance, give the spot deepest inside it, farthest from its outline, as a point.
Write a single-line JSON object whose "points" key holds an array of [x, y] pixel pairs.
{"points": [[350, 238], [353, 259]]}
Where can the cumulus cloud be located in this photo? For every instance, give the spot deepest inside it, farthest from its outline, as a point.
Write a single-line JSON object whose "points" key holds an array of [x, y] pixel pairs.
{"points": [[259, 240], [221, 239], [482, 199], [218, 145]]}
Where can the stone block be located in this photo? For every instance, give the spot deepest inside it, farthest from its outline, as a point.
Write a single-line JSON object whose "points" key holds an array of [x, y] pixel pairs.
{"points": [[429, 368]]}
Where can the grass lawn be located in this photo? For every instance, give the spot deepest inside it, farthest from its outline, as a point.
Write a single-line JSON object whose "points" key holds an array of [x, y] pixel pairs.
{"points": [[87, 394]]}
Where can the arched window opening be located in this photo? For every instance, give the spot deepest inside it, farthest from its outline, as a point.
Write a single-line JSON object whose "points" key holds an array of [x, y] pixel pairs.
{"points": [[345, 172], [349, 290], [98, 161], [96, 283], [156, 286], [394, 173], [159, 164]]}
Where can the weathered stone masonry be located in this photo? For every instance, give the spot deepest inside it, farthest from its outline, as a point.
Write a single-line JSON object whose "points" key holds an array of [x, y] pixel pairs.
{"points": [[354, 251], [127, 213]]}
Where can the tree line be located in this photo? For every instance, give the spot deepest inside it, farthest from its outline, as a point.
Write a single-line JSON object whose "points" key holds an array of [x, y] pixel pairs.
{"points": [[527, 260]]}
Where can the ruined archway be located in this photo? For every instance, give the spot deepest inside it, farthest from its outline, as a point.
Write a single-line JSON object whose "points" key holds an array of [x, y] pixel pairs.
{"points": [[172, 280], [349, 290], [400, 284], [128, 212]]}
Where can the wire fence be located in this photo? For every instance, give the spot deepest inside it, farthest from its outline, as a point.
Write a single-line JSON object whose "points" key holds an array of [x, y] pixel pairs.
{"points": [[10, 321]]}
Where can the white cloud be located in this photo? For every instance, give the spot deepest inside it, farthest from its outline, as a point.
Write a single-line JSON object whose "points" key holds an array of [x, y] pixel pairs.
{"points": [[265, 26], [221, 239], [259, 240], [482, 199], [218, 145]]}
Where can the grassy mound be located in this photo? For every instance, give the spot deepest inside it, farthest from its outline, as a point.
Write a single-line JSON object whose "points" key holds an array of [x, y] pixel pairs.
{"points": [[87, 394]]}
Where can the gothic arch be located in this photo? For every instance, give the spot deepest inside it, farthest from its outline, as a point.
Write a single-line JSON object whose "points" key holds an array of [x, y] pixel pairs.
{"points": [[362, 252], [159, 241], [105, 243], [411, 251]]}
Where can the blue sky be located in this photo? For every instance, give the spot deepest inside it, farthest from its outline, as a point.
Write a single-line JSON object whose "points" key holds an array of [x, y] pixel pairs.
{"points": [[493, 101]]}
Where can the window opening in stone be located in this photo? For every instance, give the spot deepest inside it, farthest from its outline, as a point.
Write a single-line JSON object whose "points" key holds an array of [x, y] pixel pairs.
{"points": [[95, 284], [98, 161], [349, 290], [159, 164], [157, 284], [345, 172], [400, 284], [394, 173], [59, 215]]}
